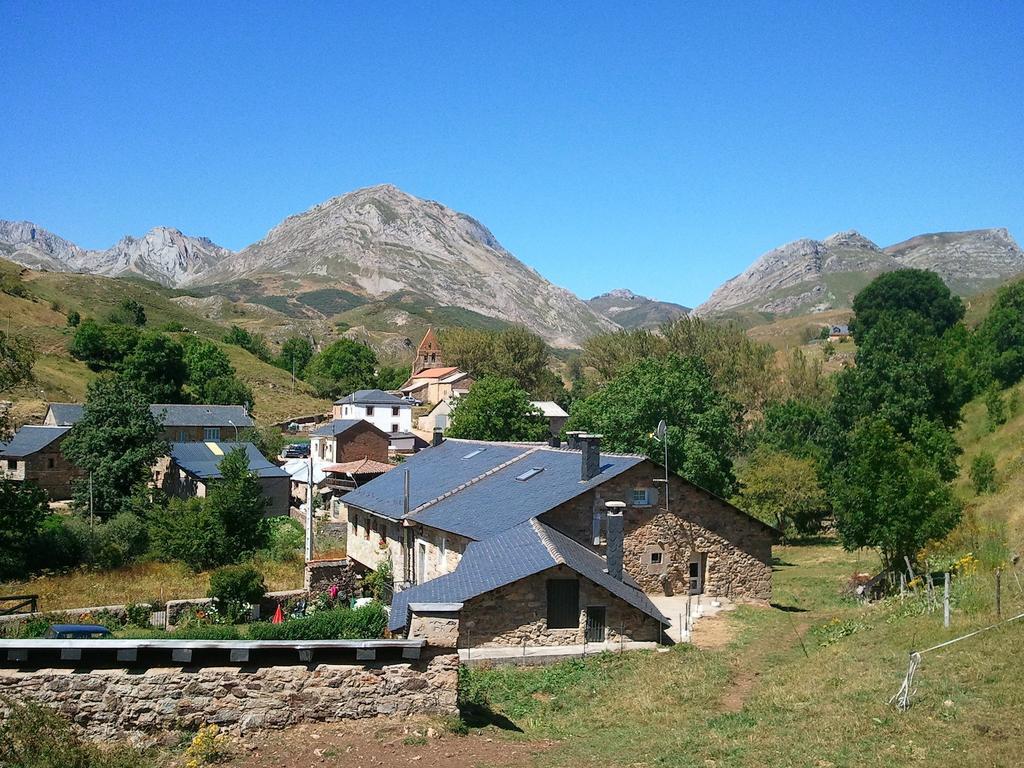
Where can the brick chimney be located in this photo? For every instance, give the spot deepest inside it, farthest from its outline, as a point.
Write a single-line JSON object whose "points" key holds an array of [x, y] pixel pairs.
{"points": [[590, 456], [616, 538]]}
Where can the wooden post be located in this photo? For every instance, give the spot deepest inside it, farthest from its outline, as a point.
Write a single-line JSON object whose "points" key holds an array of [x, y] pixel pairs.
{"points": [[945, 602], [999, 596], [903, 585]]}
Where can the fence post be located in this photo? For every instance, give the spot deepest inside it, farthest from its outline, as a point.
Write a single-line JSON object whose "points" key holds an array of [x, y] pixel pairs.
{"points": [[945, 602], [999, 596]]}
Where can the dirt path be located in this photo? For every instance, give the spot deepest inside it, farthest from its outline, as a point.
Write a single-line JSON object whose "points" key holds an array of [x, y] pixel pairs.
{"points": [[371, 743]]}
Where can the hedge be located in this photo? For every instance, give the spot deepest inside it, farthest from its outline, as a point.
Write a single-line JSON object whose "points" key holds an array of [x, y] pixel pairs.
{"points": [[364, 623]]}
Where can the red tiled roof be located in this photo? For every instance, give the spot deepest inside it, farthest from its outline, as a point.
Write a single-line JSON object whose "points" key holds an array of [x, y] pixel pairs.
{"points": [[434, 373], [360, 467]]}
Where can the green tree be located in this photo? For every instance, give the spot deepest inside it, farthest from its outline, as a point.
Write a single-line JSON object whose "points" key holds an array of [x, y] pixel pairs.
{"points": [[995, 408], [23, 508], [157, 368], [796, 427], [227, 390], [511, 353], [238, 501], [205, 361], [783, 491], [916, 291], [268, 440], [296, 352], [341, 368], [128, 312], [983, 473], [251, 342], [392, 376], [17, 356], [74, 318], [103, 347], [1001, 334], [703, 423], [190, 531], [496, 409], [116, 442], [888, 495]]}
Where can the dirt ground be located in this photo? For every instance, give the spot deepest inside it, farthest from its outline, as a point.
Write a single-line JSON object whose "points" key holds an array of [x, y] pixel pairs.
{"points": [[371, 743]]}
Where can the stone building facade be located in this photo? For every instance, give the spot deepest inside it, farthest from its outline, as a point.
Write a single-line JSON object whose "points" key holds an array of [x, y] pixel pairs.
{"points": [[46, 466], [517, 613]]}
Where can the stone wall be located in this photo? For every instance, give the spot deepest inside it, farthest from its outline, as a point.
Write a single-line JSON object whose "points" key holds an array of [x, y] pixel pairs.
{"points": [[48, 469], [108, 703], [735, 548], [517, 613], [321, 575]]}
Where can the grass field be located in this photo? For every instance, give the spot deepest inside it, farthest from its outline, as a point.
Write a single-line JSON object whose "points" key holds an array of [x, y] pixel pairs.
{"points": [[139, 583], [804, 683]]}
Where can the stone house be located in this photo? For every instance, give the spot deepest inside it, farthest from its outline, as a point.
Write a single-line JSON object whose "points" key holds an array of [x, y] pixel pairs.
{"points": [[433, 382], [343, 440], [389, 413], [553, 413], [459, 497], [194, 465], [33, 454], [182, 423]]}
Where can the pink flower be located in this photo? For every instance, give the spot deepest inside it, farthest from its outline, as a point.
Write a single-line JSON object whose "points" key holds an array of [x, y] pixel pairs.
{"points": [[333, 591]]}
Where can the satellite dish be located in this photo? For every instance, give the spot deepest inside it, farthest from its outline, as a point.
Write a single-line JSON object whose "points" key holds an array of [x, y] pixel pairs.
{"points": [[662, 430]]}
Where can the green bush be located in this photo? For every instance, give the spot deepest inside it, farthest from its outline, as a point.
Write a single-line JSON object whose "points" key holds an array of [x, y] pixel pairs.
{"points": [[983, 473], [108, 545], [138, 615], [995, 408], [234, 587], [57, 545], [34, 736], [206, 632], [287, 538], [190, 531], [363, 623], [380, 582]]}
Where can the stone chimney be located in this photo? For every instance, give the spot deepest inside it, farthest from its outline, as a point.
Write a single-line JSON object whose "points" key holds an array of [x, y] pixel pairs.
{"points": [[572, 440], [554, 442], [616, 537], [438, 437], [590, 456]]}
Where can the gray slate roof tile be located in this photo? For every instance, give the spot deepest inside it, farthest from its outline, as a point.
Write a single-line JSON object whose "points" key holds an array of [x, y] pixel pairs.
{"points": [[30, 439], [199, 460]]}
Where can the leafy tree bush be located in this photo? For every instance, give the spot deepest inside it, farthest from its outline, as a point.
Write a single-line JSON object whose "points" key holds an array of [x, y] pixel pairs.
{"points": [[156, 367], [103, 347], [1001, 334], [703, 423], [117, 442], [128, 312], [888, 495], [366, 622], [511, 353], [995, 408], [57, 545], [392, 376], [251, 342], [238, 500], [17, 356], [983, 473], [110, 544], [234, 586], [341, 368], [783, 491], [296, 352], [268, 439], [74, 318], [285, 539], [189, 531], [23, 509], [204, 361], [915, 291], [496, 409], [797, 427], [227, 390]]}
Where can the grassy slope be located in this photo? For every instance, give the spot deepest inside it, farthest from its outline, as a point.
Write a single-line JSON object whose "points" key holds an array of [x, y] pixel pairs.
{"points": [[761, 701], [42, 316]]}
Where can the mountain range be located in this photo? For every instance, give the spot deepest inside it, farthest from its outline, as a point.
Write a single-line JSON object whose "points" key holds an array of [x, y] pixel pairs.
{"points": [[391, 252], [816, 275]]}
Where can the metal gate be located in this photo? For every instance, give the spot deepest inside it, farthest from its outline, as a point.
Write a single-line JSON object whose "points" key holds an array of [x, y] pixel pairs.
{"points": [[596, 621]]}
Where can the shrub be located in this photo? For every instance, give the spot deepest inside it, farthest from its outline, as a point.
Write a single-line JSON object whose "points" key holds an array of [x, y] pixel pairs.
{"points": [[206, 632], [366, 622], [380, 582], [286, 539], [112, 544], [995, 408], [983, 473], [138, 615], [34, 736], [208, 746], [189, 531], [58, 546], [234, 588]]}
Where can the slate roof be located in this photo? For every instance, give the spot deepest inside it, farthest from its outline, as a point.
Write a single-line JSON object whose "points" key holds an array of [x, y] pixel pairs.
{"points": [[521, 551], [202, 459], [67, 414], [173, 414], [30, 439], [337, 427], [371, 397], [550, 409], [472, 488]]}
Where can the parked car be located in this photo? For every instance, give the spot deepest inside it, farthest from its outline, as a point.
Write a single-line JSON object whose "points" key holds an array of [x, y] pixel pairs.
{"points": [[77, 632], [412, 400], [297, 451]]}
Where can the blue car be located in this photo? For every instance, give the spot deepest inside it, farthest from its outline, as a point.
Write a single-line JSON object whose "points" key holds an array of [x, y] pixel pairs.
{"points": [[77, 632]]}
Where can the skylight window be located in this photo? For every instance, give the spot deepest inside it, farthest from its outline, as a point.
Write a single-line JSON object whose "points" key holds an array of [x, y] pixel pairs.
{"points": [[471, 454], [530, 473]]}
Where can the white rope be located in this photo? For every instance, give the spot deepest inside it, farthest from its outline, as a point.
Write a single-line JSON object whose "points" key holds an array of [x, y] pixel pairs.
{"points": [[902, 697]]}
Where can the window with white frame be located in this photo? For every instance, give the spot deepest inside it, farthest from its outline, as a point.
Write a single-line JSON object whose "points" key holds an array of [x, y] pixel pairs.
{"points": [[641, 497], [211, 434]]}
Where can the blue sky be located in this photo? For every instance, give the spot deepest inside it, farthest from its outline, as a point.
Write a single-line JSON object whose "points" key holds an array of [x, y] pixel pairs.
{"points": [[660, 147]]}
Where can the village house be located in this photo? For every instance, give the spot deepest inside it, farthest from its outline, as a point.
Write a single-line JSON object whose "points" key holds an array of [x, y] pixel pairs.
{"points": [[545, 545], [193, 465], [348, 440], [433, 382], [553, 413], [182, 423], [385, 411], [33, 454], [838, 332]]}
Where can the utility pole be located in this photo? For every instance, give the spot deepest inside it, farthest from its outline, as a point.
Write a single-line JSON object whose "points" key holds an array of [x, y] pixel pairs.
{"points": [[92, 517], [309, 511]]}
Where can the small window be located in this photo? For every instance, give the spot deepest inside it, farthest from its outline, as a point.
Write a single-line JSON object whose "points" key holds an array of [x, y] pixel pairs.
{"points": [[182, 436], [211, 434], [641, 497], [534, 471], [394, 427], [369, 410], [563, 603], [366, 530], [656, 558], [471, 454], [49, 463], [394, 410]]}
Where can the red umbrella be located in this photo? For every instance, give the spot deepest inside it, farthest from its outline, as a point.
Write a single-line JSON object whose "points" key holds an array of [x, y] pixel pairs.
{"points": [[278, 615]]}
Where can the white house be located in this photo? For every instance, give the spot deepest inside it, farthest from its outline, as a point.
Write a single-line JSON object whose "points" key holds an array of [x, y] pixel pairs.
{"points": [[386, 412]]}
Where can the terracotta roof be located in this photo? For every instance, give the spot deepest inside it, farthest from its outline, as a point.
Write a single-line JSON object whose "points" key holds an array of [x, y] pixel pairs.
{"points": [[432, 373], [362, 466]]}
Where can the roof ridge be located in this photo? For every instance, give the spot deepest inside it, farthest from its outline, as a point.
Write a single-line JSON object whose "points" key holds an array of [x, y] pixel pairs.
{"points": [[542, 534], [472, 481]]}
